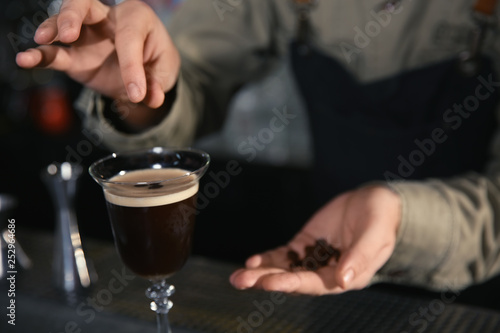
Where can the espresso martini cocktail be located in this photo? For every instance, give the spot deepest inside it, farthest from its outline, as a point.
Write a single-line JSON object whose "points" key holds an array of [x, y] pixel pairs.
{"points": [[151, 201]]}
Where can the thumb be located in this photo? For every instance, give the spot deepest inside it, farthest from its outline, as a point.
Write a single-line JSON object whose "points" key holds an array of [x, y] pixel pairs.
{"points": [[45, 56], [351, 265], [361, 261]]}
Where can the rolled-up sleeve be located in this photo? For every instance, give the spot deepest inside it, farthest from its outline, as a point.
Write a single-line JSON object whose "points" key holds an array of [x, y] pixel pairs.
{"points": [[423, 244], [175, 130]]}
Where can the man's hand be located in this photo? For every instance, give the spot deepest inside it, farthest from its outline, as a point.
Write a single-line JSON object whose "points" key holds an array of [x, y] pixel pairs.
{"points": [[362, 224], [123, 52]]}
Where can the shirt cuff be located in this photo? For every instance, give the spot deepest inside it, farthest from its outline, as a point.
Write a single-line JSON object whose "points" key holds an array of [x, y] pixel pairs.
{"points": [[177, 129], [425, 238]]}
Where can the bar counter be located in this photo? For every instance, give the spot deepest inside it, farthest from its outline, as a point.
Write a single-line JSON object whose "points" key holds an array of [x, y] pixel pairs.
{"points": [[205, 302]]}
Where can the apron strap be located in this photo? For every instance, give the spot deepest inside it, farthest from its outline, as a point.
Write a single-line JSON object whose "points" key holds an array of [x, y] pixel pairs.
{"points": [[303, 7]]}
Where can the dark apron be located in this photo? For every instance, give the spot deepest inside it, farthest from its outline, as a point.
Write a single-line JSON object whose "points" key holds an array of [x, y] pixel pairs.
{"points": [[400, 128]]}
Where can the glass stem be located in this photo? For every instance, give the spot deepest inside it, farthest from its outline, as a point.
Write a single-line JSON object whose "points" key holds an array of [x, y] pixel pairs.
{"points": [[159, 293]]}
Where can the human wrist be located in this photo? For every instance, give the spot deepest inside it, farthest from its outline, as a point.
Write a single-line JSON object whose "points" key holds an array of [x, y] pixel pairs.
{"points": [[391, 201], [395, 202], [134, 118], [425, 235]]}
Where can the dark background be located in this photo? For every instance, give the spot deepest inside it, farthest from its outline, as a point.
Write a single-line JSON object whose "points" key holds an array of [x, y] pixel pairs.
{"points": [[261, 208]]}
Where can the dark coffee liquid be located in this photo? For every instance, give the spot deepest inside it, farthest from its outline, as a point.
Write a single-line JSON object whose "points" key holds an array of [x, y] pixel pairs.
{"points": [[153, 239]]}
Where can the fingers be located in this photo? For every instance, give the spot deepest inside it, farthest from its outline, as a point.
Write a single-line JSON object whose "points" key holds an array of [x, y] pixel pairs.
{"points": [[359, 263], [273, 258], [155, 95], [254, 261], [66, 25], [131, 35], [249, 278], [29, 58], [47, 31], [130, 46], [149, 62], [53, 57], [74, 13], [275, 279], [351, 267], [303, 282]]}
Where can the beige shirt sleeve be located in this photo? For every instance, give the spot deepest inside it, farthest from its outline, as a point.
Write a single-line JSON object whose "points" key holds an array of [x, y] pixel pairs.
{"points": [[177, 128]]}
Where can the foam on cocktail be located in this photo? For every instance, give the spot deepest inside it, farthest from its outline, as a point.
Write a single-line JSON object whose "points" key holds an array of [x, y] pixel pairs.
{"points": [[154, 187]]}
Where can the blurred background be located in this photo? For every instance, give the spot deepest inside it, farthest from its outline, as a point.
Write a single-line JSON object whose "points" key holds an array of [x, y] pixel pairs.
{"points": [[260, 208]]}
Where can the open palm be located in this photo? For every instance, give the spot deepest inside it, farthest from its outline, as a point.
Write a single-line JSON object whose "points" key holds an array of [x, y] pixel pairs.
{"points": [[362, 224]]}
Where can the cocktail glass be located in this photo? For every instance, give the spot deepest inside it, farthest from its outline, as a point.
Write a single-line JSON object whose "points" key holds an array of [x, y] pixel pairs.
{"points": [[151, 201]]}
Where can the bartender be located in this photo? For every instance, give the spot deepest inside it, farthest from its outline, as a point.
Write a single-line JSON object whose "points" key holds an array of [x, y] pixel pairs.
{"points": [[402, 98]]}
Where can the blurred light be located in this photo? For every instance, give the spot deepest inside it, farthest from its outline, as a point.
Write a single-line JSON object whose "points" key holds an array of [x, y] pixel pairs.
{"points": [[52, 169], [66, 171]]}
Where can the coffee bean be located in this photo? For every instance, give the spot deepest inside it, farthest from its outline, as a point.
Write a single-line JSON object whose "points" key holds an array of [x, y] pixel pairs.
{"points": [[155, 186], [316, 256], [293, 256]]}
